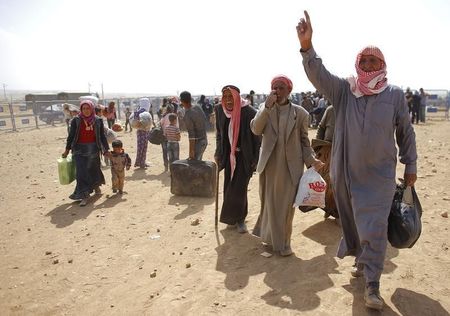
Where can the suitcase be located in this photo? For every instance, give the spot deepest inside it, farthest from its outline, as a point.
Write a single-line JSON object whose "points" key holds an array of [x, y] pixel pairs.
{"points": [[193, 178]]}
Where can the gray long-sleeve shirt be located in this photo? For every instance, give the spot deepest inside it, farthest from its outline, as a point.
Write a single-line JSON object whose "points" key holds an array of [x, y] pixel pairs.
{"points": [[195, 121]]}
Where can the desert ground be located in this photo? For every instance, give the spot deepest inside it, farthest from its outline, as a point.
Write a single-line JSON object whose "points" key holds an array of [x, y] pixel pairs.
{"points": [[139, 254]]}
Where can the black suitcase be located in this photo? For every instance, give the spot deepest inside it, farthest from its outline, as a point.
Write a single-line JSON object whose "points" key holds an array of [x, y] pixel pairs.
{"points": [[193, 178]]}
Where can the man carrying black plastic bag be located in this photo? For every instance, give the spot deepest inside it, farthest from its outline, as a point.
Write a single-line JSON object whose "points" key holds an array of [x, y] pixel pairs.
{"points": [[371, 119]]}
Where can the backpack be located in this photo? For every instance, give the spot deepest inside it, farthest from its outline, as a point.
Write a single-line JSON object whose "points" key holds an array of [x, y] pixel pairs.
{"points": [[156, 136]]}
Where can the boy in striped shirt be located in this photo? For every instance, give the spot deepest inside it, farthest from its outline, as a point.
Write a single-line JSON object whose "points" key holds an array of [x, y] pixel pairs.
{"points": [[172, 133]]}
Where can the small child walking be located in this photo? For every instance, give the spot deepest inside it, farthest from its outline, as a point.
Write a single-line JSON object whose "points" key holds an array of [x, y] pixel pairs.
{"points": [[127, 119], [119, 161], [172, 133]]}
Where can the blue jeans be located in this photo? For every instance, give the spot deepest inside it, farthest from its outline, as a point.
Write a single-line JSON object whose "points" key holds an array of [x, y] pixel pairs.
{"points": [[200, 146], [173, 151]]}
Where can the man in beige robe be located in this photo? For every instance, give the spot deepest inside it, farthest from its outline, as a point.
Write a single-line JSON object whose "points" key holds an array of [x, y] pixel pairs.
{"points": [[284, 151]]}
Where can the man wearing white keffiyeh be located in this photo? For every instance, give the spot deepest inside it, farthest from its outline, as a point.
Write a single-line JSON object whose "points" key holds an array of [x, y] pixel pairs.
{"points": [[369, 112], [237, 150]]}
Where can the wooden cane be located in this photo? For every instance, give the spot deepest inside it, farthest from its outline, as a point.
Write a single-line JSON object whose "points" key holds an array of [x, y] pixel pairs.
{"points": [[216, 216]]}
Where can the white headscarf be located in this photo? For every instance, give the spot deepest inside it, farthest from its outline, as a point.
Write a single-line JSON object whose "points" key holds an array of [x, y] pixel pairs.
{"points": [[144, 103]]}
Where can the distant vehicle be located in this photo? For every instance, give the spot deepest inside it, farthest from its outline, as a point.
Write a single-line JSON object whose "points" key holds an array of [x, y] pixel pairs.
{"points": [[39, 101], [52, 113]]}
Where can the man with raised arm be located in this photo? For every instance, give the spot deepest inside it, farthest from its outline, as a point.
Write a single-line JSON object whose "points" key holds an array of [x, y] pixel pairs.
{"points": [[369, 113]]}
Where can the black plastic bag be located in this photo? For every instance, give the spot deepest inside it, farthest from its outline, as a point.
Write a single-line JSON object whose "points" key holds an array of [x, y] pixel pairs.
{"points": [[404, 223], [156, 136]]}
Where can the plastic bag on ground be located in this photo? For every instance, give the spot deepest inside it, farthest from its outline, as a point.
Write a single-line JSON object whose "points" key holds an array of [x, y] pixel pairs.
{"points": [[311, 190], [117, 127]]}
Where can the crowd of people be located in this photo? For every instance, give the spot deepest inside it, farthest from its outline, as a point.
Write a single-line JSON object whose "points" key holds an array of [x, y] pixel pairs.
{"points": [[354, 149]]}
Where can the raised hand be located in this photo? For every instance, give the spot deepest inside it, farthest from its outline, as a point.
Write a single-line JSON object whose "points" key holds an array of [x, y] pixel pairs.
{"points": [[271, 99], [304, 32]]}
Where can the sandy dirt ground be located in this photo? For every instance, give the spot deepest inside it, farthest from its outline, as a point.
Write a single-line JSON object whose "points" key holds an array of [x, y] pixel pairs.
{"points": [[138, 254]]}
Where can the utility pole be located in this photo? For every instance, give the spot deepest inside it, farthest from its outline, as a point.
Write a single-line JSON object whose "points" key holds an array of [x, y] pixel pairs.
{"points": [[103, 96], [89, 87], [4, 91], [11, 110]]}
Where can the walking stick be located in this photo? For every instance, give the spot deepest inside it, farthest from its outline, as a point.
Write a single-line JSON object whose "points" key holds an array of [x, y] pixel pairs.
{"points": [[216, 216]]}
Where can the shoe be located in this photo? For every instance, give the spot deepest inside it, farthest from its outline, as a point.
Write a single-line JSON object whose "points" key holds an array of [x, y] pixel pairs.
{"points": [[241, 228], [97, 190], [357, 270], [231, 226], [114, 190], [373, 298], [83, 202], [286, 252], [120, 192]]}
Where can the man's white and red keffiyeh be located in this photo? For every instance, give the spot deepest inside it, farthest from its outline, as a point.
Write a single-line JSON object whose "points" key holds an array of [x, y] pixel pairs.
{"points": [[368, 83]]}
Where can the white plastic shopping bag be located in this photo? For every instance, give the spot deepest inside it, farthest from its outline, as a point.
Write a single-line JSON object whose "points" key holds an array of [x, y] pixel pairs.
{"points": [[311, 190], [146, 120], [110, 135]]}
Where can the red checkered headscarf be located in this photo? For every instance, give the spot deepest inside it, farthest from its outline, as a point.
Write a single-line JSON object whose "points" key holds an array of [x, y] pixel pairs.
{"points": [[369, 83], [283, 79]]}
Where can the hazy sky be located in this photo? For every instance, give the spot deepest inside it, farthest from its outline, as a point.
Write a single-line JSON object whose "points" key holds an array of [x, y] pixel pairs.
{"points": [[168, 46]]}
